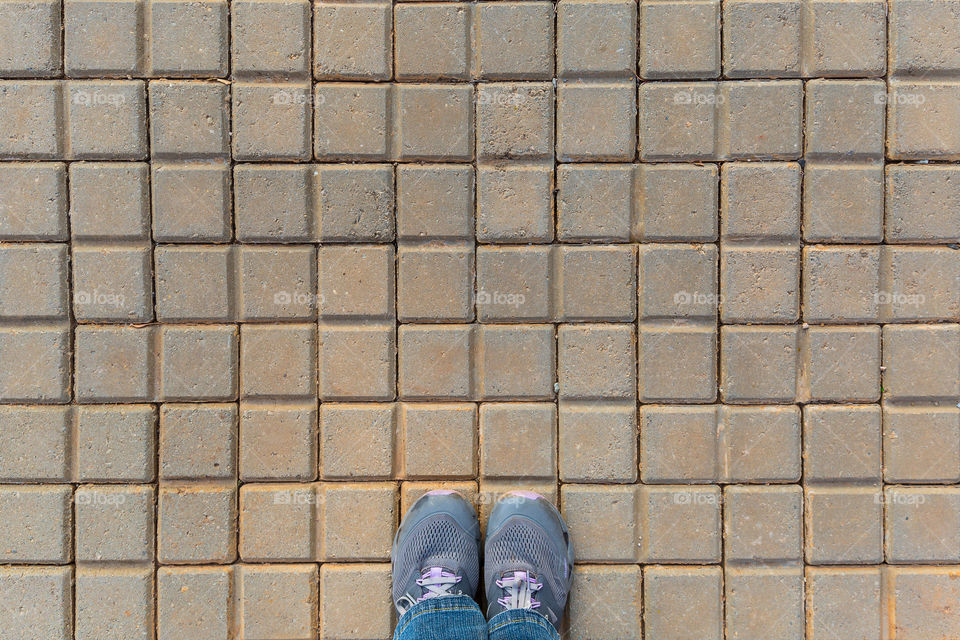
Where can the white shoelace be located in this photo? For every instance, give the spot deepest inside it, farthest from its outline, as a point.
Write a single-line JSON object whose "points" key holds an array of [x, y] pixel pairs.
{"points": [[437, 582], [520, 588]]}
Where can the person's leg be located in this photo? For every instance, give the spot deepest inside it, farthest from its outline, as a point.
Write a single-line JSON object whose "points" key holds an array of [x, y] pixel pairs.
{"points": [[528, 568], [436, 570]]}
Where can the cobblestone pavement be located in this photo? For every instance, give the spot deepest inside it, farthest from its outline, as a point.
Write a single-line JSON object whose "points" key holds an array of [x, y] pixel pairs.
{"points": [[270, 270]]}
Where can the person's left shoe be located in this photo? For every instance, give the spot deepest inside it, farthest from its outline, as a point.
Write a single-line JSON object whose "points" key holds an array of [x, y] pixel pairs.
{"points": [[436, 551]]}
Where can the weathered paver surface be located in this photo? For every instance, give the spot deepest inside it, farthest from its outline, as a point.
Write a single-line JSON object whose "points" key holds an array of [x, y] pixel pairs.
{"points": [[271, 269]]}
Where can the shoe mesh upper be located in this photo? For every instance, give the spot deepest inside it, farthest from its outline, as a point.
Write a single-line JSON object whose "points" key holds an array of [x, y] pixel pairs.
{"points": [[435, 542], [519, 545]]}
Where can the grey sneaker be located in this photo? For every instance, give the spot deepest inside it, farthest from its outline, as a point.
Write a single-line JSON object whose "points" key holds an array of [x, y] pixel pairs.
{"points": [[436, 551], [528, 557]]}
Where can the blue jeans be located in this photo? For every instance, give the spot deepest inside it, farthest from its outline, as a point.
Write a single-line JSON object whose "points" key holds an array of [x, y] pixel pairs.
{"points": [[459, 618]]}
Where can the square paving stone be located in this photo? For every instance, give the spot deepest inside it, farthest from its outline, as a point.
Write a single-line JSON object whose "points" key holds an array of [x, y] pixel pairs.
{"points": [[196, 524], [36, 526], [114, 523], [125, 215], [278, 442], [277, 522], [115, 443], [193, 602], [34, 443], [198, 441], [39, 602], [278, 601], [114, 602], [358, 441]]}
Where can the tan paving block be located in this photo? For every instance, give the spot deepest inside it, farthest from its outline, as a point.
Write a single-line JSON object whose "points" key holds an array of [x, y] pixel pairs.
{"points": [[915, 48], [278, 361], [759, 284], [846, 39], [350, 121], [114, 600], [114, 443], [597, 442], [762, 118], [518, 440], [843, 525], [44, 594], [514, 284], [843, 603], [37, 524], [761, 38], [921, 362], [680, 524], [758, 364], [678, 281], [843, 202], [842, 443], [34, 443], [916, 593], [844, 118], [194, 601], [514, 119], [678, 444], [921, 445], [278, 442], [605, 602], [432, 122], [439, 440], [759, 444], [919, 524], [516, 362], [763, 524], [435, 283], [278, 601], [597, 283], [596, 121], [270, 37], [342, 614], [114, 523], [695, 54], [356, 281], [923, 203], [435, 361], [352, 41], [682, 601], [515, 203], [603, 520], [357, 362], [278, 522], [760, 200], [596, 361], [675, 202], [842, 364], [435, 201], [923, 284], [353, 202], [277, 283], [677, 364], [357, 440], [198, 441], [433, 40], [678, 120], [595, 202], [920, 120], [764, 602], [596, 38], [197, 524], [355, 521], [514, 40]]}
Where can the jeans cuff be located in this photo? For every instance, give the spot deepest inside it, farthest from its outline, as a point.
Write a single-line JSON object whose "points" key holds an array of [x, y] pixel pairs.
{"points": [[432, 605], [501, 622]]}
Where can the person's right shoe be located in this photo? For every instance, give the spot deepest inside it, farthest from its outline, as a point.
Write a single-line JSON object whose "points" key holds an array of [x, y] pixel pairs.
{"points": [[528, 557]]}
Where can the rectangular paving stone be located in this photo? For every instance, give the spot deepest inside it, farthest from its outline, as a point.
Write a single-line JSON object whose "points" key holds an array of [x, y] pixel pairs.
{"points": [[842, 443], [760, 200], [759, 444], [114, 523], [678, 444], [435, 201], [114, 443], [676, 364], [191, 202], [112, 283], [435, 283], [920, 123], [101, 37], [352, 41], [47, 349], [355, 522], [270, 38], [843, 202], [192, 283], [680, 602], [435, 361], [114, 601], [33, 201], [603, 520], [33, 281], [197, 524], [278, 442], [843, 603], [189, 119], [278, 361], [36, 526], [923, 203], [198, 441], [278, 601], [36, 103], [518, 440], [596, 283], [271, 203], [514, 284], [758, 364], [30, 32], [919, 525], [605, 602], [351, 121], [342, 614], [39, 602], [199, 362], [515, 203], [921, 444], [194, 602], [514, 40], [842, 364], [763, 524], [764, 602], [675, 202], [680, 524], [359, 441], [912, 591], [277, 523], [359, 362], [354, 203], [677, 281], [189, 39], [609, 107], [106, 119], [277, 282], [597, 443], [596, 361], [34, 443], [115, 363], [595, 202], [843, 525], [846, 39], [696, 54], [921, 362], [439, 440], [515, 119], [126, 214], [287, 109]]}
